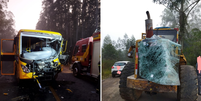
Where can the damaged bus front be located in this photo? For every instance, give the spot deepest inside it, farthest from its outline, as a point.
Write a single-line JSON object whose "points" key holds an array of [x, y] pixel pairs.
{"points": [[37, 54]]}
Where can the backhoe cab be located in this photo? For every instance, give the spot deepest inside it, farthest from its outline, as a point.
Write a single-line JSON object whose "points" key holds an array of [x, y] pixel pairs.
{"points": [[159, 66]]}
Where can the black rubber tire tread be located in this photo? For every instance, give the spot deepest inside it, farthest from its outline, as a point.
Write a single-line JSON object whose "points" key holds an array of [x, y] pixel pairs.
{"points": [[78, 65], [188, 89], [128, 94], [113, 75]]}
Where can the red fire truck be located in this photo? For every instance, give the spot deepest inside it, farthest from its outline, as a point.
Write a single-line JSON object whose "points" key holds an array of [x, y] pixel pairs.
{"points": [[86, 56]]}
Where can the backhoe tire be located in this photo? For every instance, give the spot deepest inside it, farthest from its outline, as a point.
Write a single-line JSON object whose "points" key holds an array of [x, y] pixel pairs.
{"points": [[188, 89], [128, 94]]}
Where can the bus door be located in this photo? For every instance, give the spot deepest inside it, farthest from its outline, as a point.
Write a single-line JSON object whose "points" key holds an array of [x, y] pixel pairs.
{"points": [[7, 57]]}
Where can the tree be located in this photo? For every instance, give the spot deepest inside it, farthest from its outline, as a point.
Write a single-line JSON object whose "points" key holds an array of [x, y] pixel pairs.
{"points": [[184, 8], [170, 19], [193, 45], [108, 50], [73, 19], [6, 21]]}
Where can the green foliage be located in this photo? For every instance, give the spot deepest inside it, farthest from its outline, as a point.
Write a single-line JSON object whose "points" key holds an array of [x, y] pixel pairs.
{"points": [[170, 19], [183, 8], [112, 52], [107, 40], [192, 47], [106, 67], [109, 52], [6, 21], [74, 19]]}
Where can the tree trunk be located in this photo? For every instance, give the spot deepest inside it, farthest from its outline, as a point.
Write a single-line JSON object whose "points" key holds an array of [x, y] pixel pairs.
{"points": [[182, 24]]}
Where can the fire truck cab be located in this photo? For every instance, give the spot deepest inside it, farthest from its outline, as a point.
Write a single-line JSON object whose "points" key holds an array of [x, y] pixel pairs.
{"points": [[86, 56]]}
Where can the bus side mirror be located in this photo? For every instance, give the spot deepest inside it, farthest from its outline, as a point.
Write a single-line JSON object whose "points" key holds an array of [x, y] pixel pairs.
{"points": [[64, 46]]}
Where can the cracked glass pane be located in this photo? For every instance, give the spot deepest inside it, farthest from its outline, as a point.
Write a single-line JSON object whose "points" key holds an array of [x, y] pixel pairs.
{"points": [[159, 60]]}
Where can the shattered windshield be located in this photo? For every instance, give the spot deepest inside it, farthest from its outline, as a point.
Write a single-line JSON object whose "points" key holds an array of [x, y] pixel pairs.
{"points": [[39, 48], [159, 60]]}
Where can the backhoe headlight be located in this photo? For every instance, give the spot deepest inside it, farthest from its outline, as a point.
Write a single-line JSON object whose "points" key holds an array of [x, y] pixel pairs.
{"points": [[25, 69]]}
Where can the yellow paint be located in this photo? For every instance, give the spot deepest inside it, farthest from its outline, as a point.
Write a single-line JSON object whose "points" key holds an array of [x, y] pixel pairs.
{"points": [[135, 76], [97, 37], [23, 75], [143, 37], [69, 90], [56, 60], [40, 31], [86, 52], [62, 68], [136, 59], [54, 94], [183, 57]]}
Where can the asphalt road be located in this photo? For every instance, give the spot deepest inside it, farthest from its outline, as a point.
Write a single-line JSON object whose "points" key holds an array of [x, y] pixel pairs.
{"points": [[66, 88], [110, 88]]}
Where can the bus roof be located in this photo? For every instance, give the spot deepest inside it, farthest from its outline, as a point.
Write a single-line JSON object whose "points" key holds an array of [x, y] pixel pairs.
{"points": [[39, 31]]}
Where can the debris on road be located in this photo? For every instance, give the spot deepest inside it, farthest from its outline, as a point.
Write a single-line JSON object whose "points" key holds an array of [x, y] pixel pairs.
{"points": [[5, 94], [69, 90], [21, 98]]}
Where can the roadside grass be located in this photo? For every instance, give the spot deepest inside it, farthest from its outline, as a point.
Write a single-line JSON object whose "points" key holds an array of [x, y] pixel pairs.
{"points": [[106, 67]]}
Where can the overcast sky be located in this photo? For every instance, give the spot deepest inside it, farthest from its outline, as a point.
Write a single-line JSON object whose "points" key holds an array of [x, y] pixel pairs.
{"points": [[117, 16], [128, 16], [26, 12]]}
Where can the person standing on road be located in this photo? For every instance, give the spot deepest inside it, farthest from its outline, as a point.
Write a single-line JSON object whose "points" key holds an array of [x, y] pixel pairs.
{"points": [[199, 78]]}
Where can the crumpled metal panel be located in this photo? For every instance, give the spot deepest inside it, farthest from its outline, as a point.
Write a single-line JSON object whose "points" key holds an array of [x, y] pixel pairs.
{"points": [[46, 52], [158, 60]]}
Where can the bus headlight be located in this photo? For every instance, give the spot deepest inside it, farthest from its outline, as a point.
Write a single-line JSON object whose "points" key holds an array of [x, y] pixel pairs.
{"points": [[55, 64], [25, 69]]}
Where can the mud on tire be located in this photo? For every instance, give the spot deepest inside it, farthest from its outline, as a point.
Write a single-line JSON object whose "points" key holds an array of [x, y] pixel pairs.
{"points": [[188, 89], [127, 93]]}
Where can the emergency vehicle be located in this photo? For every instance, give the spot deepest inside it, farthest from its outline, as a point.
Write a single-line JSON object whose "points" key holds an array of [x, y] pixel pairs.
{"points": [[86, 56]]}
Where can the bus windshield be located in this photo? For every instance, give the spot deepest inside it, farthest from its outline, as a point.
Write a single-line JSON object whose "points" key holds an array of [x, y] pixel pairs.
{"points": [[39, 48]]}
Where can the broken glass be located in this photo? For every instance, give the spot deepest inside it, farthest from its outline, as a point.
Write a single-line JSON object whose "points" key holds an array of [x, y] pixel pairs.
{"points": [[159, 60], [35, 48]]}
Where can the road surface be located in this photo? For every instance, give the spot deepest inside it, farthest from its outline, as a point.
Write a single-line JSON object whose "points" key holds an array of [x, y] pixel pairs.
{"points": [[110, 88], [66, 88]]}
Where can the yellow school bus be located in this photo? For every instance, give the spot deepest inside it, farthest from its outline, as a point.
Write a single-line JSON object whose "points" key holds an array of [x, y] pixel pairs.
{"points": [[36, 54]]}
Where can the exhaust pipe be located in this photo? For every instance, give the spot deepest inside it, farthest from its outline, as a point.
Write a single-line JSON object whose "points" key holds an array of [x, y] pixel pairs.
{"points": [[149, 26]]}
